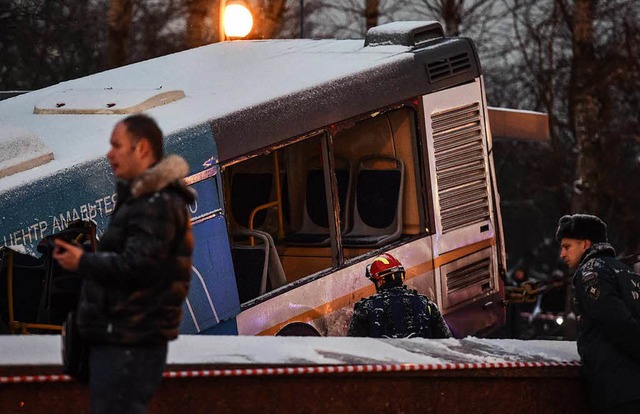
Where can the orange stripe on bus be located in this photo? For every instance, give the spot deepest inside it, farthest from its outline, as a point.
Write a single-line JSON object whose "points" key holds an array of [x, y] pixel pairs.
{"points": [[463, 251], [369, 290]]}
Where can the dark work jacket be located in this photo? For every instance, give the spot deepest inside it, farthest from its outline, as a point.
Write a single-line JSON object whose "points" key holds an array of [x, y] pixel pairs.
{"points": [[607, 302], [134, 285], [398, 312]]}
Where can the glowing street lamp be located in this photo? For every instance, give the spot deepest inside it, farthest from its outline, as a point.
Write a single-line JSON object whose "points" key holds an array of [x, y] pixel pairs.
{"points": [[236, 20]]}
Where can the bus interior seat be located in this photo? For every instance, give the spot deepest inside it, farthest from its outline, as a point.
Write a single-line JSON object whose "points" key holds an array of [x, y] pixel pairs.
{"points": [[377, 214], [257, 268], [248, 191], [315, 216], [61, 287]]}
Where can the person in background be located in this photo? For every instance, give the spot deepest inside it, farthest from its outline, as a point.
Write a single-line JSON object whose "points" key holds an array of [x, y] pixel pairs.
{"points": [[395, 311], [135, 284], [607, 306]]}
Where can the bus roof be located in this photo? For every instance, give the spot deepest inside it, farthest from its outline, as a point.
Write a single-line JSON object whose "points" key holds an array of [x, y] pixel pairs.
{"points": [[251, 94]]}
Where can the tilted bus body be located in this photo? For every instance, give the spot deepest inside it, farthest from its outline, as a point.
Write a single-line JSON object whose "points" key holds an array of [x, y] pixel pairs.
{"points": [[310, 157]]}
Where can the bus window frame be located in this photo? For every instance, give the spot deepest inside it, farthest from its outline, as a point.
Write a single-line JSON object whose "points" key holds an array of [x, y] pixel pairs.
{"points": [[427, 213], [331, 194]]}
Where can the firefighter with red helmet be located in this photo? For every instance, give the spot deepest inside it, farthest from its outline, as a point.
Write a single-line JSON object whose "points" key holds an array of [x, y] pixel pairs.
{"points": [[395, 311]]}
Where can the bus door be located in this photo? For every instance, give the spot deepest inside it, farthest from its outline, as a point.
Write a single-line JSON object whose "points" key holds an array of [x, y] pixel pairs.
{"points": [[213, 296]]}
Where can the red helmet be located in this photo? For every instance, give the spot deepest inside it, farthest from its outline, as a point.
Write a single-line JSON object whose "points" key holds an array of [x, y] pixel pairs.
{"points": [[383, 266]]}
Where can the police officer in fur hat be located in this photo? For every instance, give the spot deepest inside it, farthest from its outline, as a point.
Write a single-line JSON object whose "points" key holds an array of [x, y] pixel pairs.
{"points": [[607, 305]]}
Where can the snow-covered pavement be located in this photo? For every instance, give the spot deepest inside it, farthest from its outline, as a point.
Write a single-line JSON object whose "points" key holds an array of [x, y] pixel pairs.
{"points": [[250, 350]]}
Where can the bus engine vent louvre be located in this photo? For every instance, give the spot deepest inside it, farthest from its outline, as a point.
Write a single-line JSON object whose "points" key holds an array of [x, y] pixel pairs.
{"points": [[460, 168], [449, 66], [474, 273]]}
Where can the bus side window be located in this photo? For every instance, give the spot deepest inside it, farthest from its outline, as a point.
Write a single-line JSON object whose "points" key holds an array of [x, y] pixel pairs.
{"points": [[377, 177], [282, 195], [386, 187]]}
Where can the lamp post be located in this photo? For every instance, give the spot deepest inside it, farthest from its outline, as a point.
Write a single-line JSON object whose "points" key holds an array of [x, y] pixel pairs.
{"points": [[236, 20], [222, 5], [301, 19]]}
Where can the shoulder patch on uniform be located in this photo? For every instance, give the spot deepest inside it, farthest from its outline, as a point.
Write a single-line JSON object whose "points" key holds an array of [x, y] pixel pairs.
{"points": [[592, 289]]}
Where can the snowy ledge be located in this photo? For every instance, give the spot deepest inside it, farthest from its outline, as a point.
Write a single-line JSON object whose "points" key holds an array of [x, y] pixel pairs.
{"points": [[261, 350], [21, 150]]}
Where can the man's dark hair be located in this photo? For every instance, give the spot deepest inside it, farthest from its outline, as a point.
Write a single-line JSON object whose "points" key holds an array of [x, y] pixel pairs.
{"points": [[143, 126]]}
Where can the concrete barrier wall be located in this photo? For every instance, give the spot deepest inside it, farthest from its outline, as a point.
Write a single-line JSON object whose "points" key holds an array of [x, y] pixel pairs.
{"points": [[488, 390]]}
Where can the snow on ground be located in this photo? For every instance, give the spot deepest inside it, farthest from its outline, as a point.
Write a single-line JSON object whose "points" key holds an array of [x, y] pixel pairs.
{"points": [[263, 350]]}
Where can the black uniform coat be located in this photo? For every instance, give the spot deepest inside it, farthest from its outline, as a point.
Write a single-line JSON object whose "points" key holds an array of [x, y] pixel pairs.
{"points": [[397, 312], [134, 285], [607, 301]]}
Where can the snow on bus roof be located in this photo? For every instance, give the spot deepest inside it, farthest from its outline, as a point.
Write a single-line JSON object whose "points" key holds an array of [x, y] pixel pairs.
{"points": [[20, 150], [217, 80], [264, 350]]}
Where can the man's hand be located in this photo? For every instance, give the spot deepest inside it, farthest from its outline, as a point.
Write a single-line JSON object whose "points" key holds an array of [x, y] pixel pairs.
{"points": [[68, 255]]}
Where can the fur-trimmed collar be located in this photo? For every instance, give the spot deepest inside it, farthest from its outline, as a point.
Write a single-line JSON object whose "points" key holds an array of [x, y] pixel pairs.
{"points": [[597, 250], [156, 178]]}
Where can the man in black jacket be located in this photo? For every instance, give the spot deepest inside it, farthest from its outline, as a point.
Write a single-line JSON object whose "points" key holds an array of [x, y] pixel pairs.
{"points": [[395, 311], [607, 304], [134, 285]]}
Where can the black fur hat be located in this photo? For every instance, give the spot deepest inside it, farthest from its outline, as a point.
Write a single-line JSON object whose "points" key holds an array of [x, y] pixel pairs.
{"points": [[582, 227]]}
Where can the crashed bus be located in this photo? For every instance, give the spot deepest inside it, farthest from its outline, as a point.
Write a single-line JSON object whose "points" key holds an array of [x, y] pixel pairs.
{"points": [[309, 157]]}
